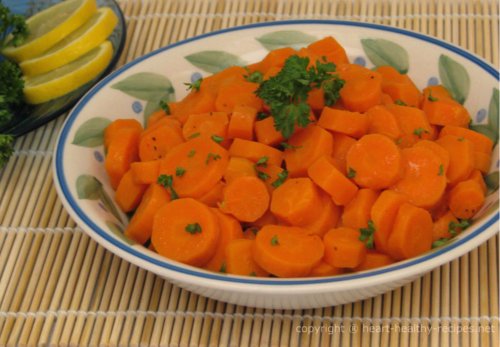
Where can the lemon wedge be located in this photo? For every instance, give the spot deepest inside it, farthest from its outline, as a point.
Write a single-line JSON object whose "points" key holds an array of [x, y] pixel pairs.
{"points": [[82, 40], [53, 84], [50, 26]]}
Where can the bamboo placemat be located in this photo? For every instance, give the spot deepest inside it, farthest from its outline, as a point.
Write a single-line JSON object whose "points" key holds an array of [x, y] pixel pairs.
{"points": [[58, 287]]}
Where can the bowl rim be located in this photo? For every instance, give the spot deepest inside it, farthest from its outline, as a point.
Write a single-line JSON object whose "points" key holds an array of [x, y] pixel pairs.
{"points": [[188, 274]]}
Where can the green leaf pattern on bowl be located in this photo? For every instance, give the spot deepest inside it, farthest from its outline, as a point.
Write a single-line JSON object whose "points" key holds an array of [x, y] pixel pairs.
{"points": [[454, 77], [285, 38], [384, 52], [91, 133], [214, 61]]}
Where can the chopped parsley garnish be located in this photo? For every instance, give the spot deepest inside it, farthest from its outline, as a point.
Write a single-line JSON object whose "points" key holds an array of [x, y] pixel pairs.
{"points": [[400, 102], [430, 97], [167, 181], [195, 85], [367, 234], [455, 227], [351, 173], [223, 268], [255, 77], [212, 156], [441, 242], [262, 161], [282, 176], [193, 228], [191, 153], [275, 241], [286, 145], [262, 175], [194, 135], [262, 115], [253, 274], [286, 93], [179, 171], [164, 106], [217, 138], [419, 132], [441, 170]]}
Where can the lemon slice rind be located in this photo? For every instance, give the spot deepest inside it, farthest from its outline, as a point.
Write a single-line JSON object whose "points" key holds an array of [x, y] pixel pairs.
{"points": [[50, 26], [51, 85], [84, 39]]}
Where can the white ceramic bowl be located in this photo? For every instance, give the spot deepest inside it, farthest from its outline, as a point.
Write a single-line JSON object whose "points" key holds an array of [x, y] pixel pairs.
{"points": [[134, 90]]}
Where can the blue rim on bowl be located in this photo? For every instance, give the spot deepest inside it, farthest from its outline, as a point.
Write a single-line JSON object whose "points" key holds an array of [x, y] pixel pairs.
{"points": [[444, 254]]}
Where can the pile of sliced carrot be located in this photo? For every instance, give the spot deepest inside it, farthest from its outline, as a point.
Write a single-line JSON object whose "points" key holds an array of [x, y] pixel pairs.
{"points": [[377, 177]]}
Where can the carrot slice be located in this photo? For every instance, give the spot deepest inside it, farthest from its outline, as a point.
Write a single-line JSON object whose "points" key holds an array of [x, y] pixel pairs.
{"points": [[187, 231], [255, 151], [411, 234], [239, 259], [438, 92], [374, 162], [349, 123], [287, 251], [114, 128], [155, 117], [323, 269], [270, 174], [413, 124], [156, 142], [122, 152], [325, 174], [361, 94], [441, 228], [239, 167], [230, 229], [241, 123], [462, 159], [212, 84], [399, 87], [382, 121], [466, 198], [129, 194], [481, 142], [478, 177], [214, 196], [307, 146], [438, 150], [341, 145], [328, 217], [329, 48], [195, 102], [423, 180], [383, 214], [343, 248], [246, 198], [203, 163], [267, 218], [266, 133], [482, 162], [357, 212], [446, 112], [296, 201], [206, 124], [141, 224], [145, 172], [238, 93], [275, 58], [374, 260], [250, 233]]}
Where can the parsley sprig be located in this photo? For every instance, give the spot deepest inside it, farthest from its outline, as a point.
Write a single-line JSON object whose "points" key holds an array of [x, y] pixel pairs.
{"points": [[286, 93], [167, 181], [367, 234]]}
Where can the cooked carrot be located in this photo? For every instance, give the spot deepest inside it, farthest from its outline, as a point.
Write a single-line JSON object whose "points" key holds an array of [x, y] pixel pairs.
{"points": [[441, 228], [462, 160], [145, 172], [446, 112], [341, 145], [436, 92], [230, 229], [239, 259], [211, 124], [349, 123], [129, 194], [114, 128], [246, 198], [305, 147], [239, 167], [361, 94], [374, 260], [316, 100], [356, 213], [195, 102], [155, 117], [266, 133], [424, 178], [156, 142], [324, 173], [287, 251], [327, 219], [187, 231], [296, 201], [255, 151], [212, 84], [466, 198], [202, 163], [374, 162], [214, 196], [270, 174], [170, 121], [481, 142], [482, 162], [239, 93], [399, 87], [343, 248], [413, 124], [329, 48], [122, 151], [141, 224], [323, 269], [386, 99], [383, 214], [411, 234], [478, 177], [382, 121], [250, 233], [442, 153], [267, 218], [275, 58], [349, 72], [241, 123]]}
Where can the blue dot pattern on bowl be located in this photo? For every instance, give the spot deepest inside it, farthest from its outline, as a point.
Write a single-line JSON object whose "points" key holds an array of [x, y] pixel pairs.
{"points": [[481, 115], [98, 156], [195, 77], [137, 107], [433, 81], [360, 61]]}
